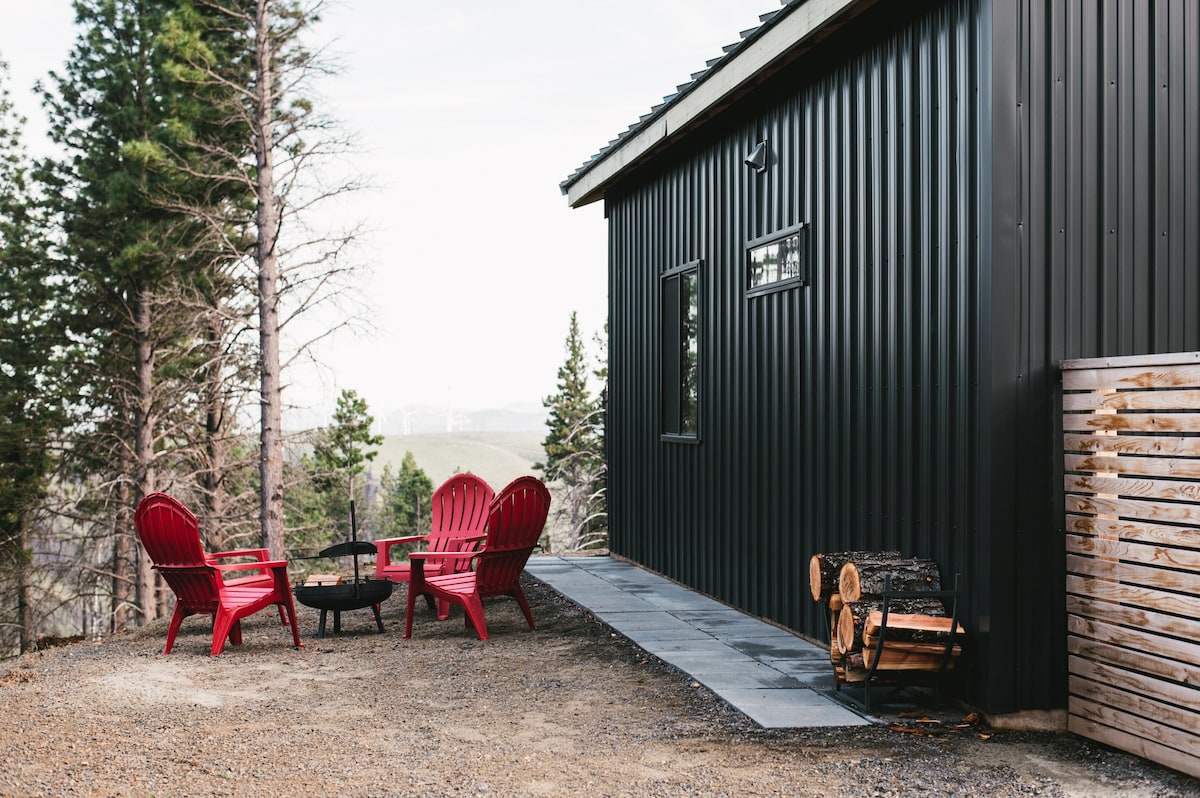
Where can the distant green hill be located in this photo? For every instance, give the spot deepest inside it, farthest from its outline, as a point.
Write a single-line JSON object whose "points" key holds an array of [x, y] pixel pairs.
{"points": [[498, 457]]}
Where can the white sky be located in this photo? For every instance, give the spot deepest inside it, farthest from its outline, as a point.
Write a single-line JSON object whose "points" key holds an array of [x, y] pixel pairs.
{"points": [[470, 113]]}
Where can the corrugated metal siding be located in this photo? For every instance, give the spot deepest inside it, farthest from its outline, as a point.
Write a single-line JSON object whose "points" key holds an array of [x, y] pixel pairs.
{"points": [[1108, 262], [1112, 93], [834, 416], [907, 397]]}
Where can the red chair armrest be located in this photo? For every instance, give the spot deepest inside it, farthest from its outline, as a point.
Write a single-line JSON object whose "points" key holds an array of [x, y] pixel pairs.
{"points": [[389, 542], [442, 555], [258, 554], [259, 565], [383, 549]]}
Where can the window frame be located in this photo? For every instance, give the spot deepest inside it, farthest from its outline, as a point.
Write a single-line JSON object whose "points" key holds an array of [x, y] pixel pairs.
{"points": [[671, 395], [802, 278]]}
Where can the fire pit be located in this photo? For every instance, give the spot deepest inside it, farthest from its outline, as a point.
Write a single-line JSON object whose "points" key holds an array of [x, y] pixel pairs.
{"points": [[356, 595], [347, 596]]}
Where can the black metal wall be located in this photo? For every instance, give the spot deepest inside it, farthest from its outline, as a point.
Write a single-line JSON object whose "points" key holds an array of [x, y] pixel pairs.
{"points": [[1096, 255], [956, 164]]}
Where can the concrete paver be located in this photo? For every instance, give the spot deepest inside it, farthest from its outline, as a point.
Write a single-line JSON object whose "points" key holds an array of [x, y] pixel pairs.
{"points": [[775, 678]]}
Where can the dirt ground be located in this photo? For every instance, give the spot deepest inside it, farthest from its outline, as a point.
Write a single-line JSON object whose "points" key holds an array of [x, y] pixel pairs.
{"points": [[568, 709]]}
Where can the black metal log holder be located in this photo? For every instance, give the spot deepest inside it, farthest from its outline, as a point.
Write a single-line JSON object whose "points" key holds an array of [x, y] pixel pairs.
{"points": [[935, 676]]}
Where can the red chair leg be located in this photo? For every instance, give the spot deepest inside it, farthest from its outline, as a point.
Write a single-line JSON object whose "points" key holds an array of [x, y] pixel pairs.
{"points": [[519, 595], [172, 630], [235, 632], [408, 609], [223, 623], [473, 609], [291, 613]]}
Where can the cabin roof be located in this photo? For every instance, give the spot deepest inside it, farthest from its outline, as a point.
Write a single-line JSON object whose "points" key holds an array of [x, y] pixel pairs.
{"points": [[781, 37]]}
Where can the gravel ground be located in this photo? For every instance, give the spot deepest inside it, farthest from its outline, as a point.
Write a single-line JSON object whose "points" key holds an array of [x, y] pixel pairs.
{"points": [[568, 709]]}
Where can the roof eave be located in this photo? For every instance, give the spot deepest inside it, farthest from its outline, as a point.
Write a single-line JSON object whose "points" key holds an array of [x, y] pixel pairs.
{"points": [[764, 50]]}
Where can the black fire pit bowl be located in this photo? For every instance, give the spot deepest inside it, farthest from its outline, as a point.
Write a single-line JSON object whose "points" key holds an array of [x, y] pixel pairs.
{"points": [[352, 596]]}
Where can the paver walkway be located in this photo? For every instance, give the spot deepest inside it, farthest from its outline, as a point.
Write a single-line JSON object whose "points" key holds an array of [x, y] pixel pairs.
{"points": [[777, 679]]}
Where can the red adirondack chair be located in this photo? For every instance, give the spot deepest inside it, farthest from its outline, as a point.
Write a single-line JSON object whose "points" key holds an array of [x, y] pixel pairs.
{"points": [[460, 509], [171, 537], [515, 522]]}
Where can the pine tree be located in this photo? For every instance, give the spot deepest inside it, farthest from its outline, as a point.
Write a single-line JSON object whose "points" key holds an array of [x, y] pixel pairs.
{"points": [[406, 495], [574, 445], [132, 257], [30, 378], [571, 408], [285, 139], [340, 455]]}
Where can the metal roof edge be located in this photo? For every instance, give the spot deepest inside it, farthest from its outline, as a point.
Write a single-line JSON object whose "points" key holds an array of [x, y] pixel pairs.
{"points": [[780, 32]]}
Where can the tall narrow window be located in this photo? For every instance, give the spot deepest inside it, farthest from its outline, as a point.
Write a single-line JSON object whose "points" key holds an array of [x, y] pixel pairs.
{"points": [[681, 352]]}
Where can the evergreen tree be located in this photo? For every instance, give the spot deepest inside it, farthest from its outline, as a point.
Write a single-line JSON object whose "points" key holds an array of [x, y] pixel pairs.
{"points": [[30, 379], [571, 407], [340, 455], [134, 256], [284, 140], [204, 158], [309, 523], [406, 496], [574, 446]]}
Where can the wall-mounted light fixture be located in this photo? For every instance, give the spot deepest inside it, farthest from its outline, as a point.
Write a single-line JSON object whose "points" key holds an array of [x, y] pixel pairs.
{"points": [[757, 159]]}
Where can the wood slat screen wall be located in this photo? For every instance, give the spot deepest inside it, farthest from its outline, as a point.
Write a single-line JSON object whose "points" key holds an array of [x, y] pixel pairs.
{"points": [[1131, 436]]}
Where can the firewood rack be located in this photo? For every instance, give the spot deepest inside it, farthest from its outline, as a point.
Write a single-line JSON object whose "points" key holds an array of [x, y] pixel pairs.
{"points": [[900, 678]]}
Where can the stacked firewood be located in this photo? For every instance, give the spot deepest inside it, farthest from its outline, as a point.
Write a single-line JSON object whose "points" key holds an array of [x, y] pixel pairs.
{"points": [[852, 583]]}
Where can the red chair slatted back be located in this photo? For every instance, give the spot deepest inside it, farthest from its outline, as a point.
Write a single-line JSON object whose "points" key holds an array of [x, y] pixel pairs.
{"points": [[196, 589], [171, 535], [515, 524], [169, 532], [460, 510]]}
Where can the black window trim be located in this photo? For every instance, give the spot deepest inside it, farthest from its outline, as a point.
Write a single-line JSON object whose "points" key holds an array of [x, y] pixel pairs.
{"points": [[801, 279], [696, 266]]}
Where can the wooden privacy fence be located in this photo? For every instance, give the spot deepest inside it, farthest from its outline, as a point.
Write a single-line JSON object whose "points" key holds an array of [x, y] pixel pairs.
{"points": [[1131, 435]]}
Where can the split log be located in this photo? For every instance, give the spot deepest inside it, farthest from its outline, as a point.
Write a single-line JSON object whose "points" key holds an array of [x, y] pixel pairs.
{"points": [[869, 641], [836, 603], [823, 569], [892, 660], [916, 629], [853, 617], [865, 577]]}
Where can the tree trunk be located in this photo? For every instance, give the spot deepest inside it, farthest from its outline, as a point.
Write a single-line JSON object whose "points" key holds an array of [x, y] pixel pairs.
{"points": [[823, 569], [122, 568], [267, 224], [865, 577], [24, 568], [212, 476], [143, 453]]}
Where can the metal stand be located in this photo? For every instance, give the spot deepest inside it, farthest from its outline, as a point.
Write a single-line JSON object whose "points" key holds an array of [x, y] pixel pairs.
{"points": [[337, 621], [947, 654]]}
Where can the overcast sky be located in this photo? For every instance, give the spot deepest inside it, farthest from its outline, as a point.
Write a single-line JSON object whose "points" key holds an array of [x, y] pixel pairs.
{"points": [[470, 113]]}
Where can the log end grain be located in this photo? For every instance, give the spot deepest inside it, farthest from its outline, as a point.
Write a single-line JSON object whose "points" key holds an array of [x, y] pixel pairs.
{"points": [[814, 576], [849, 585]]}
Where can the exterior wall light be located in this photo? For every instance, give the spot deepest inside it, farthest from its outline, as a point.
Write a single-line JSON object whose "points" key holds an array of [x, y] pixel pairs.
{"points": [[757, 160]]}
